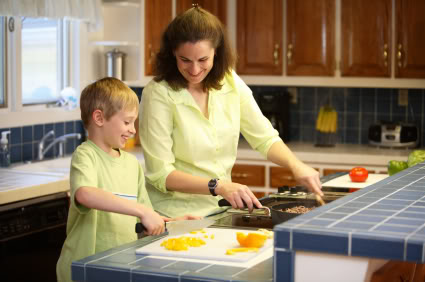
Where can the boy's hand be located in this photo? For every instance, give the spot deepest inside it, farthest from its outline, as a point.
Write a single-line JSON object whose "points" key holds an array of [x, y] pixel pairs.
{"points": [[153, 222]]}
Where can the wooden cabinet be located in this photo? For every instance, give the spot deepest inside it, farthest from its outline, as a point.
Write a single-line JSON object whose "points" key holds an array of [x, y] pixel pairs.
{"points": [[158, 15], [410, 39], [259, 37], [366, 38], [280, 176], [397, 271], [215, 7], [310, 48], [250, 175]]}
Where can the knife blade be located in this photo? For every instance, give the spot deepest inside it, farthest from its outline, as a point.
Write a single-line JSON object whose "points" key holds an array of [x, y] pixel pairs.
{"points": [[179, 227]]}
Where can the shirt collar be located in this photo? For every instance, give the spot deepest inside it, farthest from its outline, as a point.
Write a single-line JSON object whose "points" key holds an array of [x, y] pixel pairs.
{"points": [[184, 97]]}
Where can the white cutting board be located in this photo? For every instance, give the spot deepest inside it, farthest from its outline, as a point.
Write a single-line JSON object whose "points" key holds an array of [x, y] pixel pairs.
{"points": [[344, 181], [214, 249]]}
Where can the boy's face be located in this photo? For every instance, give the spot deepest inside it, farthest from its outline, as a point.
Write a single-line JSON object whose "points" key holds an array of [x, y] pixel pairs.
{"points": [[119, 128]]}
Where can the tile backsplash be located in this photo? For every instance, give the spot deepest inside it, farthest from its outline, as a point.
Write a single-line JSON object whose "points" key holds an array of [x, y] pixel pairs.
{"points": [[23, 141], [357, 109]]}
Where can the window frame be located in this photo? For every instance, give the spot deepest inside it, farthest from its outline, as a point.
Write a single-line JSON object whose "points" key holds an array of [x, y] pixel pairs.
{"points": [[15, 113], [3, 53]]}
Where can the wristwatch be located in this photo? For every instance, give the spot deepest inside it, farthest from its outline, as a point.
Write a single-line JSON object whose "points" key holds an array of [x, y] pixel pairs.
{"points": [[212, 184]]}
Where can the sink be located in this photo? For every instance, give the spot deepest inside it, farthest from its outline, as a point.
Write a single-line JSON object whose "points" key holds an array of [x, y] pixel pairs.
{"points": [[59, 166]]}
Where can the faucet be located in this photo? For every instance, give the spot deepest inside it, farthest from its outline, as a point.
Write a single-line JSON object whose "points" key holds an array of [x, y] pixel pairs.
{"points": [[59, 140]]}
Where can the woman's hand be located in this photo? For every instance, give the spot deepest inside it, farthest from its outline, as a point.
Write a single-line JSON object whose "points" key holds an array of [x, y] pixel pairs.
{"points": [[308, 177], [152, 221], [237, 194]]}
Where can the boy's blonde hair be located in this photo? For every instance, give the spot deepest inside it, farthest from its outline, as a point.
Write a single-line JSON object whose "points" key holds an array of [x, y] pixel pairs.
{"points": [[110, 95]]}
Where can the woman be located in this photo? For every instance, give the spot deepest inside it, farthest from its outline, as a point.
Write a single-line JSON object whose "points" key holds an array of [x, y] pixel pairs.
{"points": [[192, 114]]}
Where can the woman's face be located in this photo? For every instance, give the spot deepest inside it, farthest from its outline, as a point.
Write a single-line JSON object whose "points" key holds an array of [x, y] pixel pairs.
{"points": [[195, 60]]}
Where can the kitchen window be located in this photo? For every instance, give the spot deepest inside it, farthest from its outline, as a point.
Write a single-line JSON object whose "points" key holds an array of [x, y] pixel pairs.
{"points": [[41, 56]]}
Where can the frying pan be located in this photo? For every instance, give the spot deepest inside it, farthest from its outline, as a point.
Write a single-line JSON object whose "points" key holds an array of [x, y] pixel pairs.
{"points": [[277, 213]]}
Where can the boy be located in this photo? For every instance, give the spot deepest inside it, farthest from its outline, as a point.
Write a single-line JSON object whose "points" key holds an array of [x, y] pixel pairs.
{"points": [[107, 184]]}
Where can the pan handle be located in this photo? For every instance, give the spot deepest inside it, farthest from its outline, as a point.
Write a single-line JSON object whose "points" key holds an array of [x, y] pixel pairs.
{"points": [[225, 203]]}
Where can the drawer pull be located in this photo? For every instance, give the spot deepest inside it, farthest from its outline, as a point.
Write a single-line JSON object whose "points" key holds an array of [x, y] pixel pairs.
{"points": [[240, 175], [287, 177]]}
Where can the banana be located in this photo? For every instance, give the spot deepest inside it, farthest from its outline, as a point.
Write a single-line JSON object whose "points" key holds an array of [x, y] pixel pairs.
{"points": [[326, 120], [335, 122], [319, 120]]}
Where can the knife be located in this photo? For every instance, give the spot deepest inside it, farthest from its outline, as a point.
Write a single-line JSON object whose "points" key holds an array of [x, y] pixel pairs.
{"points": [[179, 227]]}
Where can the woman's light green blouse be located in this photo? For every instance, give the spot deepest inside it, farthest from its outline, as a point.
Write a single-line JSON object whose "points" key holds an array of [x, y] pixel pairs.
{"points": [[176, 135]]}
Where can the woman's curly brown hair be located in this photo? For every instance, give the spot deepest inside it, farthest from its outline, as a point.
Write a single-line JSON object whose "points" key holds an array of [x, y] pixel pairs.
{"points": [[194, 25]]}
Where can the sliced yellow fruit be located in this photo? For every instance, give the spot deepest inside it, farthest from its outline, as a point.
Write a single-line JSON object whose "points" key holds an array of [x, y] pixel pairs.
{"points": [[240, 250]]}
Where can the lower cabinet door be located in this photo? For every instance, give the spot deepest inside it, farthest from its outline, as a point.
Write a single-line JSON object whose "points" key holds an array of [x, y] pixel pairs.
{"points": [[250, 175], [396, 271], [280, 176]]}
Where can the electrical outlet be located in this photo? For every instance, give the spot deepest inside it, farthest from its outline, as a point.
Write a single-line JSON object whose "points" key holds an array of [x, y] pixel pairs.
{"points": [[403, 97], [294, 95]]}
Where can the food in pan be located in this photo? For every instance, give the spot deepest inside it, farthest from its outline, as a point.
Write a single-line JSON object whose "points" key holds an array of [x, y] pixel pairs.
{"points": [[297, 209]]}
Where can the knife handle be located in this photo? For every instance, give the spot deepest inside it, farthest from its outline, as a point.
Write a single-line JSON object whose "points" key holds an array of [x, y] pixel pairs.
{"points": [[140, 227]]}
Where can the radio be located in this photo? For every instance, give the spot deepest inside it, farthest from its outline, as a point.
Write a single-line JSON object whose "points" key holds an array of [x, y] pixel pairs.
{"points": [[394, 134]]}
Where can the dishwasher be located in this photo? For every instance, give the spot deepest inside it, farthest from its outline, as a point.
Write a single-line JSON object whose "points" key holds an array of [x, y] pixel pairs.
{"points": [[32, 233]]}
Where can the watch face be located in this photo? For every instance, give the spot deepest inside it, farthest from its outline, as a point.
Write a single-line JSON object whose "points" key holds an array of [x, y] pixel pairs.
{"points": [[212, 183]]}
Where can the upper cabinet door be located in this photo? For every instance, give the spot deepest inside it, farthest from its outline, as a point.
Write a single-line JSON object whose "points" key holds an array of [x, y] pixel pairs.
{"points": [[310, 48], [215, 7], [410, 39], [259, 37], [158, 15], [366, 38]]}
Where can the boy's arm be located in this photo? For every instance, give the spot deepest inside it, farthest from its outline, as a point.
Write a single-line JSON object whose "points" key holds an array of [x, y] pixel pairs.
{"points": [[99, 199]]}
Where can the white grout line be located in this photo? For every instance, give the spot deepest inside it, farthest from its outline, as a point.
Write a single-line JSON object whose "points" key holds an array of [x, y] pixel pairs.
{"points": [[350, 237]]}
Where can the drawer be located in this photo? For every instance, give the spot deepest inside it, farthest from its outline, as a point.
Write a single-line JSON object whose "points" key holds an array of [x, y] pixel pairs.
{"points": [[280, 176], [250, 175]]}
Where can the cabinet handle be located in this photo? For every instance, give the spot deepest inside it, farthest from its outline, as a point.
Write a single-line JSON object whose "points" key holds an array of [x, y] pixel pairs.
{"points": [[286, 177], [240, 175], [385, 55], [151, 54], [400, 55], [276, 54], [289, 53]]}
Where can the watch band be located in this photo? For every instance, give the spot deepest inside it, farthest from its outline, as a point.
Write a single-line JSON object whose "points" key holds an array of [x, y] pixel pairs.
{"points": [[212, 184]]}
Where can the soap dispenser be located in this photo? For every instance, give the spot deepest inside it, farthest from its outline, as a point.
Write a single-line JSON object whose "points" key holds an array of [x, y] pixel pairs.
{"points": [[4, 149]]}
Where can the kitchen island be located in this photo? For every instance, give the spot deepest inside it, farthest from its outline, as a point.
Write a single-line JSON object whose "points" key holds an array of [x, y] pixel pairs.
{"points": [[383, 221]]}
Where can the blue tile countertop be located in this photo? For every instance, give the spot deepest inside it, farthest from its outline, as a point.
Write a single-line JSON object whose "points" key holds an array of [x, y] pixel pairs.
{"points": [[385, 220], [123, 264]]}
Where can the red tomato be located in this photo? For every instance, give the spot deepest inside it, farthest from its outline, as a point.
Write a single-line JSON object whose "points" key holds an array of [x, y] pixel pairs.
{"points": [[358, 174]]}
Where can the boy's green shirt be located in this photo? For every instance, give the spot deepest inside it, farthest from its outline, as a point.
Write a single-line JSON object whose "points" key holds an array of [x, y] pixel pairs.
{"points": [[90, 231]]}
